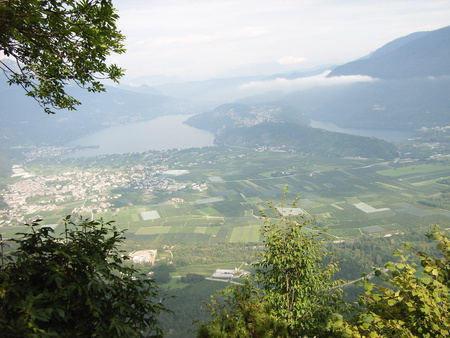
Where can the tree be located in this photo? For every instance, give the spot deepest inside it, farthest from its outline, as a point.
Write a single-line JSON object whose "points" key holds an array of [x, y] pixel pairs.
{"points": [[416, 302], [192, 278], [292, 286], [76, 284], [295, 272], [57, 42], [161, 273]]}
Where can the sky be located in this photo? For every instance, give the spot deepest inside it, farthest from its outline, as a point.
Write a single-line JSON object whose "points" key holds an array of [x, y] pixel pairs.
{"points": [[201, 39]]}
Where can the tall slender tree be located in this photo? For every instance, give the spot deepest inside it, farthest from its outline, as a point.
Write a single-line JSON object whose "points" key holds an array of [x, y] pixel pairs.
{"points": [[292, 293], [295, 271]]}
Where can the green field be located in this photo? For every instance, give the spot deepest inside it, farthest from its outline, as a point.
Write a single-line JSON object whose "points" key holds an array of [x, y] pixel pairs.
{"points": [[245, 234]]}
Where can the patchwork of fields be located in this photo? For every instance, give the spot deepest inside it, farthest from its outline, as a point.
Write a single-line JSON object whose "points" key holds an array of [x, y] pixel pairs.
{"points": [[350, 201], [349, 196]]}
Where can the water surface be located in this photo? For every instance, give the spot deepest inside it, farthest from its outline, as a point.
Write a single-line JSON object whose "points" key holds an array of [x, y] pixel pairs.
{"points": [[162, 133], [389, 135]]}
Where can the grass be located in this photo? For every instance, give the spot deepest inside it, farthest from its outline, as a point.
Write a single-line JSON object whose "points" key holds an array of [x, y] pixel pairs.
{"points": [[209, 211], [249, 234], [416, 170], [153, 230]]}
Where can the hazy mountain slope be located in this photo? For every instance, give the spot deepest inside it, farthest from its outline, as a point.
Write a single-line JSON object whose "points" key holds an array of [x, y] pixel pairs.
{"points": [[417, 55], [392, 45], [395, 104]]}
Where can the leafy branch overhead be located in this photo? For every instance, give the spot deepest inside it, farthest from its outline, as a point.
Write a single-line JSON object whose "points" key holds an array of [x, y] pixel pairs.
{"points": [[55, 43]]}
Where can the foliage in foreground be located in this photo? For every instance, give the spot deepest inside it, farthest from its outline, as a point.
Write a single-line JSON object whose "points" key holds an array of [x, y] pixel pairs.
{"points": [[75, 284], [416, 302]]}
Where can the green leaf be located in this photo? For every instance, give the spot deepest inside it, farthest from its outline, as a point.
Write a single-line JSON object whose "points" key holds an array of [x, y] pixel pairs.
{"points": [[426, 280], [368, 287], [391, 302], [390, 266]]}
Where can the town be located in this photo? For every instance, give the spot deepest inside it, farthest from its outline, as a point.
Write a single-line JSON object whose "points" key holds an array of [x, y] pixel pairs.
{"points": [[87, 190]]}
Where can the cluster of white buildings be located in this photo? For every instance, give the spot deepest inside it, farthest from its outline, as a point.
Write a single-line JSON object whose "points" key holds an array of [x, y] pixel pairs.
{"points": [[46, 152], [256, 116], [35, 193], [229, 274], [152, 179], [144, 256]]}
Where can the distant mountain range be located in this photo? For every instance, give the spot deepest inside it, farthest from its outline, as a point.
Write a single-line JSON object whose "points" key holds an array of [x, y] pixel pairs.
{"points": [[409, 90], [406, 86], [410, 87]]}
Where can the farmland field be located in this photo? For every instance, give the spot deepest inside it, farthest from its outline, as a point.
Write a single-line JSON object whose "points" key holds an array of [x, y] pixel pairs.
{"points": [[349, 196], [350, 201]]}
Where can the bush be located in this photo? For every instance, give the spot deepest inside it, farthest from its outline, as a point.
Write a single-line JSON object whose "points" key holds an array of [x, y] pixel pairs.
{"points": [[74, 284]]}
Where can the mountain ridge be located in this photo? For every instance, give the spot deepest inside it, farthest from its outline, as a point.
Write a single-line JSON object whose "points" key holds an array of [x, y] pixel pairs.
{"points": [[419, 54]]}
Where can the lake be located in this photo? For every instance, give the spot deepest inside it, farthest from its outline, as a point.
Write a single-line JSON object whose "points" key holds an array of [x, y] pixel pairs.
{"points": [[162, 133], [384, 134]]}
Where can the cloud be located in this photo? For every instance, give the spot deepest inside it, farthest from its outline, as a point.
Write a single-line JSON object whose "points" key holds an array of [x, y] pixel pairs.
{"points": [[287, 85], [252, 32], [289, 60], [199, 39], [185, 40]]}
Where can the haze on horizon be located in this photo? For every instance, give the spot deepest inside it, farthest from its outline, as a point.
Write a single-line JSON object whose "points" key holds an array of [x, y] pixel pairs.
{"points": [[200, 39]]}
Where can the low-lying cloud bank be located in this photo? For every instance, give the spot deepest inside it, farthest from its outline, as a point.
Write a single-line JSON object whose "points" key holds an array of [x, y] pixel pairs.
{"points": [[291, 85]]}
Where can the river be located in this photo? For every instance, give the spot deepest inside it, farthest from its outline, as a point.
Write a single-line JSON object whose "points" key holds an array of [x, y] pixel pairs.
{"points": [[162, 133]]}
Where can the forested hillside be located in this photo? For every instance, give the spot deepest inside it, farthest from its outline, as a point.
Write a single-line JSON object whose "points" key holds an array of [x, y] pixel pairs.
{"points": [[308, 140]]}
